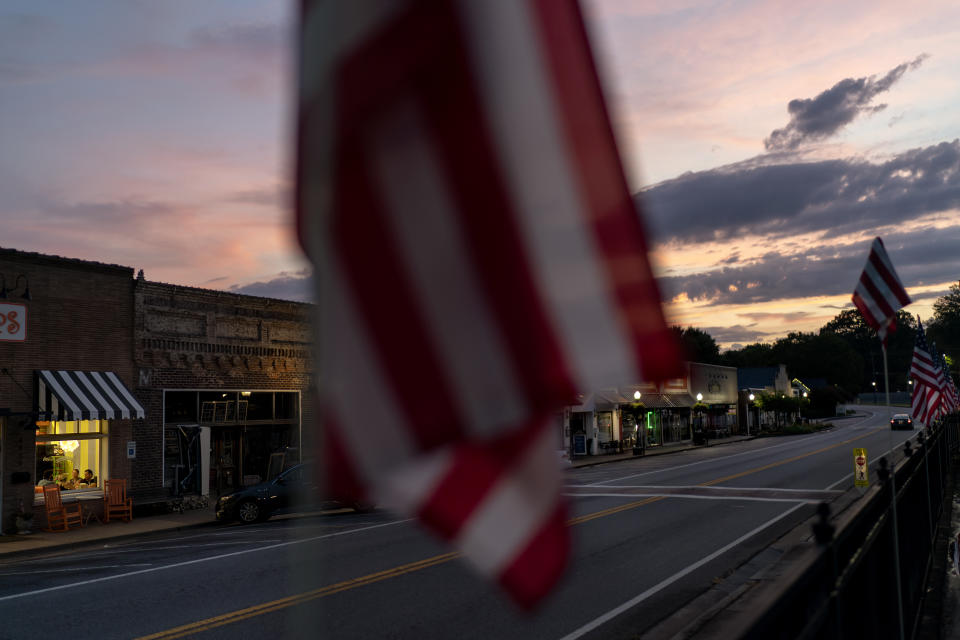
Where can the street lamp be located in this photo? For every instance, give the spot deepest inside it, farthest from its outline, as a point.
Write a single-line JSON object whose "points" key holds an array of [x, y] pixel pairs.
{"points": [[637, 448], [800, 405], [699, 433], [750, 413]]}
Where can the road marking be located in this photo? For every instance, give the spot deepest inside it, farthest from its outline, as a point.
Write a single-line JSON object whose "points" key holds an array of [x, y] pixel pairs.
{"points": [[699, 462], [723, 458], [629, 604], [610, 511], [788, 460], [300, 598], [686, 486], [353, 583], [34, 572], [696, 497], [36, 592], [116, 551]]}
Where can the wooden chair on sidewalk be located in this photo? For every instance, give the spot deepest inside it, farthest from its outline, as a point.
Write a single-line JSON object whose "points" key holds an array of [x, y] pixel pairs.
{"points": [[60, 517], [115, 500]]}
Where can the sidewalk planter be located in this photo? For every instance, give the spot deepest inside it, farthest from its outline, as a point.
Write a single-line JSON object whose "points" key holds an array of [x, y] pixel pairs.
{"points": [[24, 523]]}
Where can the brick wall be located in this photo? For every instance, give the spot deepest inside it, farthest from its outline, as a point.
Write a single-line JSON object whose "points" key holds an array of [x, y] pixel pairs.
{"points": [[92, 316], [191, 338], [80, 317]]}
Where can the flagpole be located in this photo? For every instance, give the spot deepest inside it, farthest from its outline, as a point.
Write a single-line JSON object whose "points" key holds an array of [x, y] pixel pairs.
{"points": [[893, 491]]}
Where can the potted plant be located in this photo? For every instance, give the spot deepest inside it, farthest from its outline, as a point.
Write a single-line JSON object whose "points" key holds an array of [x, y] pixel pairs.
{"points": [[23, 519]]}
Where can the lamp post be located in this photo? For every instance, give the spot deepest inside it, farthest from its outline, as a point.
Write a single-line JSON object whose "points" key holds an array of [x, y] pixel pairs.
{"points": [[637, 448], [699, 432], [749, 412], [800, 405]]}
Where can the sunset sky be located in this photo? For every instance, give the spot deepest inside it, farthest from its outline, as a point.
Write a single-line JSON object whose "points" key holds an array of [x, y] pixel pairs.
{"points": [[769, 143]]}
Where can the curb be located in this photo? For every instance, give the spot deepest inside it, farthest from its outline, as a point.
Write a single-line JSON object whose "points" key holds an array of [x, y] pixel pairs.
{"points": [[67, 545], [664, 452]]}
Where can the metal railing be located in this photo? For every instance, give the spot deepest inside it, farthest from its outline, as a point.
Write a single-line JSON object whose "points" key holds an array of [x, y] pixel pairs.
{"points": [[847, 586]]}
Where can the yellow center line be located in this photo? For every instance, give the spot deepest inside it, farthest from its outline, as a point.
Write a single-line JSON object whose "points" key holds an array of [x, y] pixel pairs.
{"points": [[782, 462], [426, 563]]}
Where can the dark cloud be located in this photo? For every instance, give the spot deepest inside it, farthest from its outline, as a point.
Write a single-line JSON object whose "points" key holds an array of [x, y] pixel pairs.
{"points": [[763, 316], [923, 256], [817, 118], [738, 333], [286, 286], [781, 200]]}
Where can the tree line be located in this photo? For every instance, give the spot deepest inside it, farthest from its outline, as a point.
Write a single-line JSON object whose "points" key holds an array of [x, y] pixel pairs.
{"points": [[844, 352]]}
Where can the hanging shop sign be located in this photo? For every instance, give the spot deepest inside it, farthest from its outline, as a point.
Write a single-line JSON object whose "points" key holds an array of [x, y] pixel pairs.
{"points": [[13, 322]]}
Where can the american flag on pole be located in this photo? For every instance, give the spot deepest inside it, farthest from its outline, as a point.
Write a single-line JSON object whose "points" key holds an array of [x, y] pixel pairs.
{"points": [[926, 399], [947, 389], [879, 294], [478, 261]]}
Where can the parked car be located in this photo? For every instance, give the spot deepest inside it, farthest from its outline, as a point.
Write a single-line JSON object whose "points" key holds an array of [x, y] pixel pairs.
{"points": [[295, 488], [901, 421]]}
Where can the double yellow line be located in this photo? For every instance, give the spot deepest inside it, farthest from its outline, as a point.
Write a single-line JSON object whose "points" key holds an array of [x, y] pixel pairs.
{"points": [[300, 598], [346, 585]]}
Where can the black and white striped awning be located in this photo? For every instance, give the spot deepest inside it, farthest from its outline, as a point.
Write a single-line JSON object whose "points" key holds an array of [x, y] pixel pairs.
{"points": [[85, 395]]}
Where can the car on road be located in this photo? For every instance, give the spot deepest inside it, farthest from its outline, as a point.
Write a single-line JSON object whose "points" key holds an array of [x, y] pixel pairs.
{"points": [[294, 489], [901, 421]]}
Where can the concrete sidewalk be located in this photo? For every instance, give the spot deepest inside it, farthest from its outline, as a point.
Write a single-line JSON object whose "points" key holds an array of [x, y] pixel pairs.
{"points": [[95, 532]]}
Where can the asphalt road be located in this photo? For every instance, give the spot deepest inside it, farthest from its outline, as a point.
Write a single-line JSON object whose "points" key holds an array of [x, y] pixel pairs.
{"points": [[649, 535]]}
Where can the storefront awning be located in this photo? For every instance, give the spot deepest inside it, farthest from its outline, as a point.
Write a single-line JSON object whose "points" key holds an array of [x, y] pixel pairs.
{"points": [[85, 395], [681, 399]]}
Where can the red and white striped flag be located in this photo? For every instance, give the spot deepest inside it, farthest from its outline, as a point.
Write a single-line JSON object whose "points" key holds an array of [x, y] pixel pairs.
{"points": [[926, 400], [478, 260], [946, 388], [879, 293], [951, 388]]}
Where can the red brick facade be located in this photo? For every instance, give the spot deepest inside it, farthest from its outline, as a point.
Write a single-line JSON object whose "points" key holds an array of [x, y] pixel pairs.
{"points": [[96, 317], [199, 339], [80, 317]]}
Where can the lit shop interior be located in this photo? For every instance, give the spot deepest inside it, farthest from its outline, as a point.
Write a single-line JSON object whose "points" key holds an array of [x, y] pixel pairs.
{"points": [[70, 454]]}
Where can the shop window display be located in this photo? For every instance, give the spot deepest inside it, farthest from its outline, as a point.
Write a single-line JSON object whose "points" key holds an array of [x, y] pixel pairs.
{"points": [[69, 454]]}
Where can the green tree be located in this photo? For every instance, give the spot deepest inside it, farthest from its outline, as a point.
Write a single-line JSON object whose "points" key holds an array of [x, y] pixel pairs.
{"points": [[849, 326], [698, 345], [780, 405], [757, 354], [944, 327]]}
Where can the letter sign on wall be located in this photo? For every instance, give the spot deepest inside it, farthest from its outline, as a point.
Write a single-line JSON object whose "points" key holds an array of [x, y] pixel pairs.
{"points": [[13, 322]]}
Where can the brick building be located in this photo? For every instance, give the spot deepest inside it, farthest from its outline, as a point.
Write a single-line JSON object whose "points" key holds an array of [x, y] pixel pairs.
{"points": [[176, 389], [69, 316], [223, 378]]}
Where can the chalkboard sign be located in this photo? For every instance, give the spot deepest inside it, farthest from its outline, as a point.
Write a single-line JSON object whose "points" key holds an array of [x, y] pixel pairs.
{"points": [[579, 444]]}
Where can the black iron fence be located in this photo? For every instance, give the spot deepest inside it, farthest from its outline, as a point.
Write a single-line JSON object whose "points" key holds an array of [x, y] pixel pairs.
{"points": [[868, 574]]}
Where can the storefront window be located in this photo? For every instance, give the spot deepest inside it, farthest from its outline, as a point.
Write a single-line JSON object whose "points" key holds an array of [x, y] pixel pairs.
{"points": [[286, 405], [69, 454], [180, 407], [261, 406]]}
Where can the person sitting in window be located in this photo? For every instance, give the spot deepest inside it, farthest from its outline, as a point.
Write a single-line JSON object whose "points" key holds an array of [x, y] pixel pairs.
{"points": [[88, 479], [73, 482], [47, 478]]}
